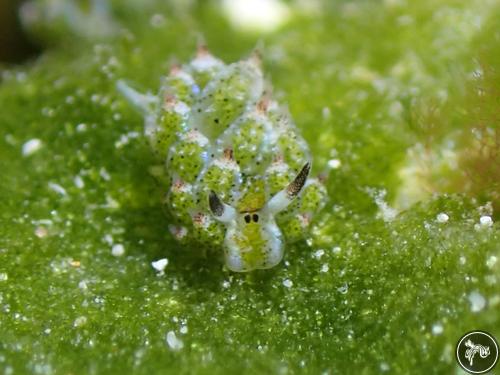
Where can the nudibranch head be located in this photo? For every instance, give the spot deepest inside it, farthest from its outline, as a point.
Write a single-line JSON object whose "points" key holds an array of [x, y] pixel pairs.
{"points": [[253, 240]]}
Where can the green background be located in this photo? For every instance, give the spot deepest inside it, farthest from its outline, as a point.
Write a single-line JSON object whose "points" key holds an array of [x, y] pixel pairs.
{"points": [[389, 88]]}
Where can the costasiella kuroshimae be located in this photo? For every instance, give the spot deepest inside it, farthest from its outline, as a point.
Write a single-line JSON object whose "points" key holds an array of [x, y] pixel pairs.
{"points": [[235, 167]]}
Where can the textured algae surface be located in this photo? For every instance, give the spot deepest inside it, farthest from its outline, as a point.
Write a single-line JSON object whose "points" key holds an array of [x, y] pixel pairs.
{"points": [[382, 283]]}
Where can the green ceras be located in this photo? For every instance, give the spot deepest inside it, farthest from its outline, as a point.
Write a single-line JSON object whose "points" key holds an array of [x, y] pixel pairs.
{"points": [[236, 167]]}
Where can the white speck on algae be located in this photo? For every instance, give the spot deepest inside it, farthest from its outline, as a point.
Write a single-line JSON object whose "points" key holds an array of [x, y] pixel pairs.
{"points": [[80, 321], [57, 188], [104, 174], [287, 283], [78, 181], [319, 253], [160, 264], [173, 342], [442, 218], [125, 139], [492, 260], [41, 232], [80, 128], [334, 163], [486, 221], [118, 250], [477, 301], [258, 15], [108, 238], [343, 289], [31, 146], [386, 212], [384, 367], [437, 329]]}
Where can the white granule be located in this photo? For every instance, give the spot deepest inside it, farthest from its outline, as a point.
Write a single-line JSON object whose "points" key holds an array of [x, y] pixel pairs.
{"points": [[442, 218], [486, 221], [31, 146], [160, 264], [118, 250], [173, 342]]}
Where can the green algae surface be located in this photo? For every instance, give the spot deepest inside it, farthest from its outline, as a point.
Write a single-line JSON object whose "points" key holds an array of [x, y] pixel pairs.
{"points": [[394, 270]]}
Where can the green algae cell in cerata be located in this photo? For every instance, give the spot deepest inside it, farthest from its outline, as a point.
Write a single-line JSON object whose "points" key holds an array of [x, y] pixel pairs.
{"points": [[235, 165]]}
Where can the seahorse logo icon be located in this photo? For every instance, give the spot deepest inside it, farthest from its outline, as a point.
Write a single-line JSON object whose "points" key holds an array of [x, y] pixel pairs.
{"points": [[484, 351], [477, 352]]}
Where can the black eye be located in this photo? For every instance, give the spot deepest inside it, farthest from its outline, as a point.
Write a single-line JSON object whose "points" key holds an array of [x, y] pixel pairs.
{"points": [[247, 218], [255, 218]]}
